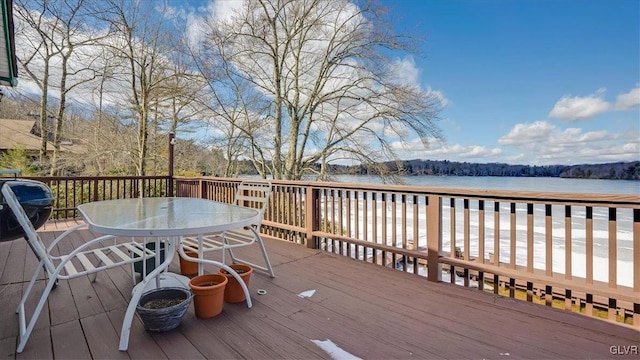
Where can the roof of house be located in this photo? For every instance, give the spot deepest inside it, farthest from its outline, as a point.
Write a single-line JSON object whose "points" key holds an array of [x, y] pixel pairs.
{"points": [[8, 60], [18, 133]]}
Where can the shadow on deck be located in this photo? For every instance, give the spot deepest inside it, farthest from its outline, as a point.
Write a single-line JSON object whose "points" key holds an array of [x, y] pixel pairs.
{"points": [[368, 311]]}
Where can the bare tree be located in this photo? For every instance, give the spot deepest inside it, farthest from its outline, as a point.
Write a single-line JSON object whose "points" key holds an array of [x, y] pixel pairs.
{"points": [[161, 92], [136, 47], [77, 52], [61, 57], [37, 33], [322, 65], [238, 121]]}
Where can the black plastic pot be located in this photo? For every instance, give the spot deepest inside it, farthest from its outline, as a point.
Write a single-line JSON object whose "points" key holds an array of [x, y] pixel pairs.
{"points": [[151, 262], [37, 200]]}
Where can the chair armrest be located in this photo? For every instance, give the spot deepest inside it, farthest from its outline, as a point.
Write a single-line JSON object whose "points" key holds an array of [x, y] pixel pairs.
{"points": [[62, 236], [83, 246]]}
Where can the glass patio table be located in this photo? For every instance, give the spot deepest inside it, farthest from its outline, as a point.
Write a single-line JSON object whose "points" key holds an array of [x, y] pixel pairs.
{"points": [[169, 219]]}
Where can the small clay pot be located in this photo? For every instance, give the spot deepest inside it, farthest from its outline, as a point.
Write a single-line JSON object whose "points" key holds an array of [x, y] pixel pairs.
{"points": [[233, 292], [208, 294], [187, 267]]}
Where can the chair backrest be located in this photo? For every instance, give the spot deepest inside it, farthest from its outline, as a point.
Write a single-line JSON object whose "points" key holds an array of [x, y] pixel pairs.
{"points": [[36, 244], [254, 194]]}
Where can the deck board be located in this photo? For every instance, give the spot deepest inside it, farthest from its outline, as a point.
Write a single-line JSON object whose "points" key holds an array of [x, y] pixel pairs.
{"points": [[102, 337], [68, 341], [367, 310], [42, 348], [142, 346]]}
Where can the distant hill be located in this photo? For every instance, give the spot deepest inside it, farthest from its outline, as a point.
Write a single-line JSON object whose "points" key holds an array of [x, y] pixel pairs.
{"points": [[617, 170]]}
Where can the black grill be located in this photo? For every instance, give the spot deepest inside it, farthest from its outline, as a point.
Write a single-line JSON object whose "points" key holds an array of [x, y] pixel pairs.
{"points": [[37, 200]]}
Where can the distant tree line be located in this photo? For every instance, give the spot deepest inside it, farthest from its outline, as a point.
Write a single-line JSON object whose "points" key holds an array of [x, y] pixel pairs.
{"points": [[617, 170], [614, 171]]}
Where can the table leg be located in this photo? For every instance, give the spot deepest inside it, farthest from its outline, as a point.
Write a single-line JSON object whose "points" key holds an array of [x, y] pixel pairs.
{"points": [[233, 273], [137, 293]]}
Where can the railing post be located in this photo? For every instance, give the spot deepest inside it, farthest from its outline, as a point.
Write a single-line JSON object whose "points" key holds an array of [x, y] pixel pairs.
{"points": [[95, 192], [172, 141], [434, 238], [312, 211]]}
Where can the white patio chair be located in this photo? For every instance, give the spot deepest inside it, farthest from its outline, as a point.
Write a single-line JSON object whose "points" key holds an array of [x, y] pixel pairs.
{"points": [[89, 258], [250, 193]]}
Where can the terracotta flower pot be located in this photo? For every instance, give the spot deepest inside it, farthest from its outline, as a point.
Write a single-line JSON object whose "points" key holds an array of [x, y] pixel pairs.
{"points": [[233, 292], [208, 294], [188, 267]]}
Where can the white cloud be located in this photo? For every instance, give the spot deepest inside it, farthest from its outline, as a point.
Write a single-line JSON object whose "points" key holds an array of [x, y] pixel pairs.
{"points": [[538, 143], [407, 72], [629, 100], [580, 108], [225, 9], [547, 144], [195, 29], [441, 151], [527, 133], [438, 95]]}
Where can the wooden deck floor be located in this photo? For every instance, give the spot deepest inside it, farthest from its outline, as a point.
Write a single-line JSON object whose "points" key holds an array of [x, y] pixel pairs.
{"points": [[368, 311]]}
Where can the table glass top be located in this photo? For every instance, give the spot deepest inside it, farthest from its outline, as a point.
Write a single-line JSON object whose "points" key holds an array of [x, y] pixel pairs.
{"points": [[164, 216]]}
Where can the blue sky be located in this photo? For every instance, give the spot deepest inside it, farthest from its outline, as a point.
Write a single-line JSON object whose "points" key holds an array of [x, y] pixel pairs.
{"points": [[534, 82], [503, 67]]}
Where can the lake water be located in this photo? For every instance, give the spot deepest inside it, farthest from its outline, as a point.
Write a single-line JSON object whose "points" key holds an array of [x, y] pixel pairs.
{"points": [[546, 184]]}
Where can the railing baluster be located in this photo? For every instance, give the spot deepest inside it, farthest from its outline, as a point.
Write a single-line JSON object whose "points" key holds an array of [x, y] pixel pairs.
{"points": [[636, 253], [374, 221], [348, 214], [415, 224], [568, 301], [496, 233], [467, 232], [394, 217], [530, 238], [613, 310], [548, 232], [383, 217], [481, 221], [365, 216], [356, 196], [340, 212], [589, 244], [568, 240], [452, 231], [403, 226], [512, 237], [548, 295], [613, 249]]}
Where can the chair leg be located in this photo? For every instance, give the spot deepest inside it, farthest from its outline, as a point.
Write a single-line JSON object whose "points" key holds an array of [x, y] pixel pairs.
{"points": [[266, 257], [29, 288], [25, 331], [268, 268]]}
